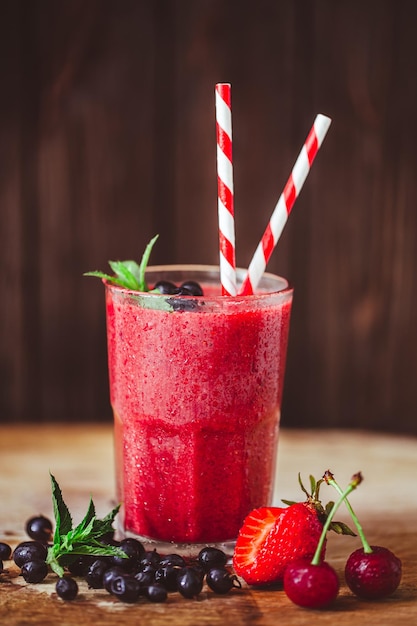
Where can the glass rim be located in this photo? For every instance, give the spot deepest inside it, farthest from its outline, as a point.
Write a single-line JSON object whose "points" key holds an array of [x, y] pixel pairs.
{"points": [[286, 290]]}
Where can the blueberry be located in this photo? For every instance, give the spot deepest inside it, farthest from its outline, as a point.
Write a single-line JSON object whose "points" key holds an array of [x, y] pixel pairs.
{"points": [[193, 287], [80, 566], [165, 286], [29, 551], [189, 582], [166, 575], [156, 593], [1, 566], [34, 571], [94, 576], [172, 559], [145, 577], [150, 558], [221, 581], [147, 568], [66, 588], [211, 557], [39, 528], [110, 574], [5, 551], [134, 551], [125, 588]]}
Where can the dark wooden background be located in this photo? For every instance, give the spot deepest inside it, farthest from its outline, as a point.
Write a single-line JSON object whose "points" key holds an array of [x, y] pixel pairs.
{"points": [[107, 137]]}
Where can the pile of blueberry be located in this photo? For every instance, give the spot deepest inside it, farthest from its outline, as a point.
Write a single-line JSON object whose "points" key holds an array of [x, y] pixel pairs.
{"points": [[141, 574]]}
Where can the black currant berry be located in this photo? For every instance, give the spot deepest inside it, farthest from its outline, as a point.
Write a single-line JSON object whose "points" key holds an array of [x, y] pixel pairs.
{"points": [[80, 566], [172, 559], [96, 571], [5, 551], [125, 588], [34, 571], [150, 558], [166, 575], [110, 574], [145, 577], [39, 528], [66, 588], [189, 582], [134, 551], [211, 557], [29, 551], [193, 287], [166, 287], [221, 581], [156, 593]]}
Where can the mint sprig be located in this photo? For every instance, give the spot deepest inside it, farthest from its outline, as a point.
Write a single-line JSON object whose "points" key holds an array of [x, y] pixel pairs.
{"points": [[69, 542], [128, 274]]}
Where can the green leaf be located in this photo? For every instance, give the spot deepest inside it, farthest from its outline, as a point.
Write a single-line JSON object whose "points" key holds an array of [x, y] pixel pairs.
{"points": [[329, 507], [124, 275], [87, 520], [341, 528], [97, 549], [144, 262], [111, 279], [134, 269], [288, 502], [107, 521], [300, 482], [128, 273], [63, 520], [83, 539], [54, 564]]}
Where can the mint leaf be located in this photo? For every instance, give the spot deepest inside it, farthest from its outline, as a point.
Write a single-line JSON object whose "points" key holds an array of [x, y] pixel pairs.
{"points": [[88, 518], [108, 277], [124, 275], [63, 519], [128, 274], [144, 262], [83, 539], [105, 525], [135, 270]]}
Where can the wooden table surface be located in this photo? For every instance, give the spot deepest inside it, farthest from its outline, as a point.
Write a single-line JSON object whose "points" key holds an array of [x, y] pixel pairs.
{"points": [[81, 458]]}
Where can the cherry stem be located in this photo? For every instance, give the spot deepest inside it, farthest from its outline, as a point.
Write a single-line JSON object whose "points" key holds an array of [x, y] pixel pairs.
{"points": [[366, 547], [356, 480]]}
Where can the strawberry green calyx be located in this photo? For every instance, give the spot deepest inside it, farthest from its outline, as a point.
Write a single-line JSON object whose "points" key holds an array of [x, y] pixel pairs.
{"points": [[313, 500], [356, 480], [331, 481]]}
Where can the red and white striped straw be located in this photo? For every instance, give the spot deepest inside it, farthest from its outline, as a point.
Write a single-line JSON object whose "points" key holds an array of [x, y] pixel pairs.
{"points": [[225, 192], [285, 204]]}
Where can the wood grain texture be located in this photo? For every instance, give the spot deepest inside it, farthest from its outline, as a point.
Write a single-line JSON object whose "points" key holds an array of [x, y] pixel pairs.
{"points": [[107, 136], [81, 457]]}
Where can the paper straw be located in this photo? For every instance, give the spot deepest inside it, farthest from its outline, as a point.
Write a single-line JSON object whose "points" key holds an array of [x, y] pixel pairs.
{"points": [[225, 190], [285, 203]]}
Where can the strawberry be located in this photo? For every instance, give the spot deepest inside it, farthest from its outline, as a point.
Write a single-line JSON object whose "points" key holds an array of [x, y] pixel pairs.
{"points": [[273, 537]]}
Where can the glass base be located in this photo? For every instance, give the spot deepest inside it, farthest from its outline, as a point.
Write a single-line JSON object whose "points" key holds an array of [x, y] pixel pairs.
{"points": [[186, 550]]}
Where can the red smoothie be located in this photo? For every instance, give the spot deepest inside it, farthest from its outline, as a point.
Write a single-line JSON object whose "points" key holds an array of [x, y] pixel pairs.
{"points": [[196, 393]]}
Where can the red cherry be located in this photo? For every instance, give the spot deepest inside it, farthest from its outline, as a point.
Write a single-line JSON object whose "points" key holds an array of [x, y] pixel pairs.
{"points": [[373, 575], [311, 586]]}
